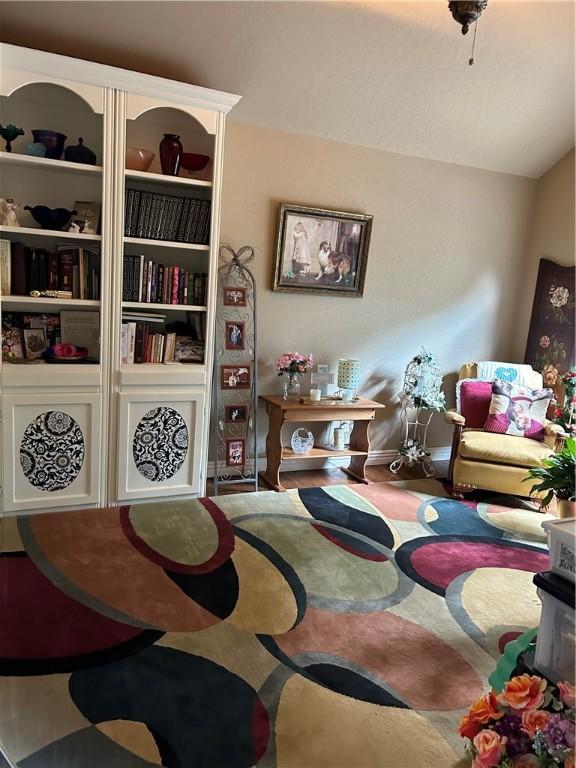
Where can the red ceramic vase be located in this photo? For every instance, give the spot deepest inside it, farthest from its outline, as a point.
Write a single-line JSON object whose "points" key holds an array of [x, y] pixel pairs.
{"points": [[170, 154]]}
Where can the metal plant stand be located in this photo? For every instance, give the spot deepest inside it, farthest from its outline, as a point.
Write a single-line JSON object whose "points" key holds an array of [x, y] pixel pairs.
{"points": [[413, 450], [421, 395], [235, 379]]}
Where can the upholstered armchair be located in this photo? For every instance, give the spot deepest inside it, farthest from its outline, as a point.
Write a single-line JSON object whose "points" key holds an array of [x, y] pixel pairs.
{"points": [[491, 461]]}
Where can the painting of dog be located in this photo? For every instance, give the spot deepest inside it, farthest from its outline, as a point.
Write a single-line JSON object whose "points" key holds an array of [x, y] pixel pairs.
{"points": [[321, 251]]}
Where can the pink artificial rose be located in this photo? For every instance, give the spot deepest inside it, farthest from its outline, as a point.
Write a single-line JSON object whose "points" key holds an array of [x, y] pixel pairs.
{"points": [[534, 720], [489, 747], [567, 694], [523, 692], [527, 761]]}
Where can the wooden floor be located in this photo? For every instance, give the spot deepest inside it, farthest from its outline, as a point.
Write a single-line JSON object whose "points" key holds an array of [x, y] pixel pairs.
{"points": [[312, 478]]}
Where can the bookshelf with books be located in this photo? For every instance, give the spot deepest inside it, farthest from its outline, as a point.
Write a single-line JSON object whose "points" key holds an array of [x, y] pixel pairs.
{"points": [[53, 266], [109, 319]]}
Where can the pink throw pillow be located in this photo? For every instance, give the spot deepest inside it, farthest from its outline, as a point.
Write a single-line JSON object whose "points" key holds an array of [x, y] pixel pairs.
{"points": [[475, 396], [517, 410]]}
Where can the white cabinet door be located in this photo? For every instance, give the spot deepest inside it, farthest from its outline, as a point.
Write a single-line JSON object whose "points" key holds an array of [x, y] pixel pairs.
{"points": [[52, 449], [158, 443]]}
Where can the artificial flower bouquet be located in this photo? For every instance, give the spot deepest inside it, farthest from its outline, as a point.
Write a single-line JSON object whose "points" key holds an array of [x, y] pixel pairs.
{"points": [[566, 415], [294, 362], [529, 725]]}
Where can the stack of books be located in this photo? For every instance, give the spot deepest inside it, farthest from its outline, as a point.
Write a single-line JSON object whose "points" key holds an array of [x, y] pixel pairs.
{"points": [[148, 282], [156, 216], [75, 270]]}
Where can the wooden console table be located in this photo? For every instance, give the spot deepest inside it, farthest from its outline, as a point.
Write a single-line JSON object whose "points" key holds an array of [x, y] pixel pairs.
{"points": [[282, 411]]}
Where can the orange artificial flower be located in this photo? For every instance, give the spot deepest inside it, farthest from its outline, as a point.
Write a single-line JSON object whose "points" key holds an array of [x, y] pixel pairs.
{"points": [[567, 694], [534, 720], [469, 727], [489, 748], [524, 692], [481, 712], [569, 761], [485, 709]]}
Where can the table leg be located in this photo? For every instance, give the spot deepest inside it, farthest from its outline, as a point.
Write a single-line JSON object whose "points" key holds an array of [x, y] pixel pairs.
{"points": [[273, 450], [359, 441]]}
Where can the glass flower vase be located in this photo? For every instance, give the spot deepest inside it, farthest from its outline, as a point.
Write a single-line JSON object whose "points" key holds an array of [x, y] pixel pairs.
{"points": [[291, 386]]}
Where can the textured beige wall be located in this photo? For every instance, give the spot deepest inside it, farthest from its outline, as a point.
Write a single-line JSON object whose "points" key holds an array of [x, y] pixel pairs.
{"points": [[551, 234], [448, 243]]}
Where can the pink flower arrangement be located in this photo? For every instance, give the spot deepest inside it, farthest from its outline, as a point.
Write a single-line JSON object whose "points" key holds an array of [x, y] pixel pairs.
{"points": [[294, 362], [529, 725]]}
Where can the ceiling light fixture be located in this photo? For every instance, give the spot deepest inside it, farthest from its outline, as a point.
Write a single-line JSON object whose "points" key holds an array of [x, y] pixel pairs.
{"points": [[467, 12]]}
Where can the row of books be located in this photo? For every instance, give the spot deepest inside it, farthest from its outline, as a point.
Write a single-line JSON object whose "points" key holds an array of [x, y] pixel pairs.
{"points": [[146, 281], [24, 269], [156, 216], [140, 343]]}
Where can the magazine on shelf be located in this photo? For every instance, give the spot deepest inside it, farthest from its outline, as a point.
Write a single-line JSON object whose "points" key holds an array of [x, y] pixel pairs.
{"points": [[81, 329]]}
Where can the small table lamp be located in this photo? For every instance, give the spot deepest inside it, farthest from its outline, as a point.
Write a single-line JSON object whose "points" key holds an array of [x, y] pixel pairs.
{"points": [[348, 378]]}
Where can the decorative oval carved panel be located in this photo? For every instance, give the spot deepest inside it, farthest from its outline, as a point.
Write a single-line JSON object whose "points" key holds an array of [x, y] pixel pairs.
{"points": [[160, 444], [52, 451]]}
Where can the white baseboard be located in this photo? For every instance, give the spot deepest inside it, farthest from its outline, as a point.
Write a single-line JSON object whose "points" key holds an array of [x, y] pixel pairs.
{"points": [[440, 453]]}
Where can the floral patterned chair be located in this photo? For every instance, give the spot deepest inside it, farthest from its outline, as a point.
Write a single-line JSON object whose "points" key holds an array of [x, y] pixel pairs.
{"points": [[491, 461]]}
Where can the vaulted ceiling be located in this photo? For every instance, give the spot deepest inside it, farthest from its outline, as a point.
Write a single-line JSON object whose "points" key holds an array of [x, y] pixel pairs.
{"points": [[388, 75]]}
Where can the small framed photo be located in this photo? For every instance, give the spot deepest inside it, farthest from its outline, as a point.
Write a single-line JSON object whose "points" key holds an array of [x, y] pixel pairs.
{"points": [[235, 448], [234, 297], [235, 414], [234, 334], [34, 342], [321, 251], [235, 377], [86, 219]]}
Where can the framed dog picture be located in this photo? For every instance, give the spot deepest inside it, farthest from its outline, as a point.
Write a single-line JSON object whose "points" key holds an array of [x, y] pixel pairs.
{"points": [[234, 334], [235, 449], [234, 297], [235, 414], [235, 377], [321, 251]]}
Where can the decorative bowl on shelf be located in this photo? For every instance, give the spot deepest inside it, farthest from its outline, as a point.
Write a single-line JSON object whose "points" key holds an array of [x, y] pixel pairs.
{"points": [[9, 133], [138, 159], [53, 141], [78, 153], [50, 218], [193, 162]]}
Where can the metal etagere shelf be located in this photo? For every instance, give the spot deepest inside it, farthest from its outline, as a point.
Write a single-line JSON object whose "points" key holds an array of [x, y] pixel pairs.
{"points": [[235, 379]]}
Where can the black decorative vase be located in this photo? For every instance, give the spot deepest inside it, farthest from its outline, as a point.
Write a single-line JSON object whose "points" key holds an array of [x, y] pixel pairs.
{"points": [[170, 154]]}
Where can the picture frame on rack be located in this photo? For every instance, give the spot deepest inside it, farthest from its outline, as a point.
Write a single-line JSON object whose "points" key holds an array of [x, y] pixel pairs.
{"points": [[234, 331], [235, 452], [233, 296], [236, 413], [320, 251], [34, 342], [86, 220], [235, 377]]}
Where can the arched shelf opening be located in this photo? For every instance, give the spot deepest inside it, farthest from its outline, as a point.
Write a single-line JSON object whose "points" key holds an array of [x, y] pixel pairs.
{"points": [[147, 130], [54, 182], [48, 106]]}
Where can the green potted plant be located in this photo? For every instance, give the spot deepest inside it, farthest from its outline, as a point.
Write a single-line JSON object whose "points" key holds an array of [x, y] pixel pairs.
{"points": [[557, 477]]}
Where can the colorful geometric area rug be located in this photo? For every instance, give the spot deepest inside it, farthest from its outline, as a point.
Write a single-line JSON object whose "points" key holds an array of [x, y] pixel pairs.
{"points": [[335, 627]]}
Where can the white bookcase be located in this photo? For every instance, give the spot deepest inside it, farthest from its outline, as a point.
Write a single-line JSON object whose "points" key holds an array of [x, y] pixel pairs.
{"points": [[81, 435]]}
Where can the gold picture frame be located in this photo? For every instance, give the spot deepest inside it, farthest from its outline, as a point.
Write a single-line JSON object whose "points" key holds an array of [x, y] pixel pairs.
{"points": [[321, 251]]}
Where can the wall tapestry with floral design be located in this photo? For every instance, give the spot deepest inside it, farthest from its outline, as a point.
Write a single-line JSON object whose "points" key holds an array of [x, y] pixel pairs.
{"points": [[550, 346]]}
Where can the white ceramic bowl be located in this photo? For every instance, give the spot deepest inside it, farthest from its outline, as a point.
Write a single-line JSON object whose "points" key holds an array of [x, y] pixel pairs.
{"points": [[138, 159]]}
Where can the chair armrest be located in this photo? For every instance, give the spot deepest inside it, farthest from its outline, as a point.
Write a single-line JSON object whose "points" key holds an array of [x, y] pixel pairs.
{"points": [[455, 418], [550, 428]]}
